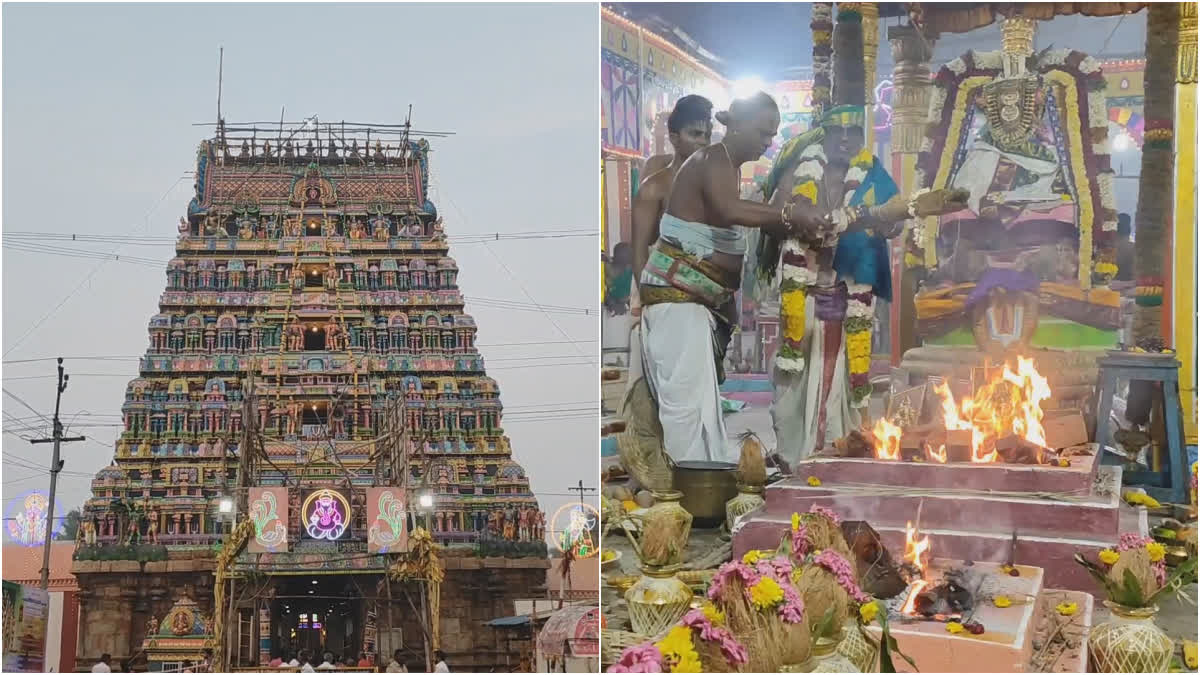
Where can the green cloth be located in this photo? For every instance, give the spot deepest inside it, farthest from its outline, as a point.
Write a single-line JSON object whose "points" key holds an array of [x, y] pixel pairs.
{"points": [[845, 116], [621, 285]]}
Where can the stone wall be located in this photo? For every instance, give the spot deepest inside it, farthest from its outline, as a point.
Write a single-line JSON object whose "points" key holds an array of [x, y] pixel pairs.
{"points": [[476, 590], [116, 598]]}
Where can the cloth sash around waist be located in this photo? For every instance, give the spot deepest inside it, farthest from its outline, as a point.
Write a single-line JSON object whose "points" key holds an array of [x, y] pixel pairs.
{"points": [[672, 275], [700, 240]]}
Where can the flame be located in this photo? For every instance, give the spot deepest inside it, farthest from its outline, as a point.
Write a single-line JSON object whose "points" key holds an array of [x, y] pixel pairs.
{"points": [[938, 455], [916, 551], [1009, 404], [887, 440], [910, 605]]}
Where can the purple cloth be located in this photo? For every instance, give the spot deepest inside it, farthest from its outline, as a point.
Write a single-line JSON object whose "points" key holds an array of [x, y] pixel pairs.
{"points": [[831, 306], [1011, 280]]}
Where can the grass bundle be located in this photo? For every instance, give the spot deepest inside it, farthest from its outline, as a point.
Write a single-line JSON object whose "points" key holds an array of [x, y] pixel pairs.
{"points": [[752, 466], [664, 536]]}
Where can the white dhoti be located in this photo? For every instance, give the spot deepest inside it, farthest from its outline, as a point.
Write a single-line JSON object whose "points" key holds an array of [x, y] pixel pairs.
{"points": [[801, 407], [677, 360]]}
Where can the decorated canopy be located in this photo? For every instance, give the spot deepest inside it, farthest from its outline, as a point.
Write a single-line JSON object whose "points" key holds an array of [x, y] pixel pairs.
{"points": [[571, 631]]}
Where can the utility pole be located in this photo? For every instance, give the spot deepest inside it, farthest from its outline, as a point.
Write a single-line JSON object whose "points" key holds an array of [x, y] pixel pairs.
{"points": [[56, 465], [581, 490]]}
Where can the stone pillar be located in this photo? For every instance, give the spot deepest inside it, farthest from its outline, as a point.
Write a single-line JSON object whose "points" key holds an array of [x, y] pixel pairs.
{"points": [[1183, 279], [911, 87]]}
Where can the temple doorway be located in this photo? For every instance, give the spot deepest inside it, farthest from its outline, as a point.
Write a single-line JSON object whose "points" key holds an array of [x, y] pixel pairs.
{"points": [[314, 339], [320, 613]]}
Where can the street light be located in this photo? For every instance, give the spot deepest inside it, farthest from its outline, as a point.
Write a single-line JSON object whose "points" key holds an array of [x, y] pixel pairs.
{"points": [[225, 506], [426, 501]]}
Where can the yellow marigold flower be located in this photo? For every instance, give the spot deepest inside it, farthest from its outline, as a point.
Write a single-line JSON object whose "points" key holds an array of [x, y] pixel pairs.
{"points": [[792, 310], [715, 616], [1189, 654], [677, 647], [868, 612], [1141, 499], [629, 505], [814, 481], [1064, 462], [1109, 556], [1066, 608], [860, 365], [955, 627], [766, 593], [911, 261], [752, 556], [1156, 550], [1002, 601], [795, 521]]}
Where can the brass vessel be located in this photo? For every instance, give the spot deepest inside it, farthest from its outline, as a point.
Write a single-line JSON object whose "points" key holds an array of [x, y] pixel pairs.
{"points": [[1129, 642], [706, 487]]}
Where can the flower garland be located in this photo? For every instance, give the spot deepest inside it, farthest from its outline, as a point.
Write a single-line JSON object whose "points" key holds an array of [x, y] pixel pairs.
{"points": [[822, 37], [1156, 551], [836, 565], [1084, 123], [798, 275], [708, 624]]}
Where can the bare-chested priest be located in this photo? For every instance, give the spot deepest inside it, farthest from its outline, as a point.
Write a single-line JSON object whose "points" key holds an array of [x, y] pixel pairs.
{"points": [[691, 273]]}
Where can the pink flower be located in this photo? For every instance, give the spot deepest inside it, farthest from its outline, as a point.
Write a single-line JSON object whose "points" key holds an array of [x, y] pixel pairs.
{"points": [[731, 649], [1132, 540], [792, 609], [800, 542], [825, 511], [839, 568], [643, 658], [733, 569]]}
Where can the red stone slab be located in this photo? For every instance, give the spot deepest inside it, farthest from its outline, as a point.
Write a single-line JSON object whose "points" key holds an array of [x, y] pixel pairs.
{"points": [[1084, 517], [1075, 479]]}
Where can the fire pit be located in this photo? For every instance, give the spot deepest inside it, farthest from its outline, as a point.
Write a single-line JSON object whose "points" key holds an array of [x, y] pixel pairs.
{"points": [[1001, 426], [959, 616]]}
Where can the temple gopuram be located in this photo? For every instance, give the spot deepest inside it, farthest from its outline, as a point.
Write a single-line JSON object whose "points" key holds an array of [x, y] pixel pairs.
{"points": [[312, 454]]}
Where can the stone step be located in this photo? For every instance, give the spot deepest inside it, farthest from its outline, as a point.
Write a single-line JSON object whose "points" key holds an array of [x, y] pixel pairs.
{"points": [[1096, 515], [1054, 554], [1068, 655], [1075, 479]]}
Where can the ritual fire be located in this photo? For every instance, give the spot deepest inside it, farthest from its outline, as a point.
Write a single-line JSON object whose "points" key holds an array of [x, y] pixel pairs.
{"points": [[946, 598], [1001, 422]]}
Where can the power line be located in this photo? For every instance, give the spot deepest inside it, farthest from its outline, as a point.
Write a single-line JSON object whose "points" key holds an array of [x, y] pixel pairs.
{"points": [[37, 324]]}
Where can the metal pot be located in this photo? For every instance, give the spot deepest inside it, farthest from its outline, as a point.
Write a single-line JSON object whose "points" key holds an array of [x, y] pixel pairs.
{"points": [[706, 487]]}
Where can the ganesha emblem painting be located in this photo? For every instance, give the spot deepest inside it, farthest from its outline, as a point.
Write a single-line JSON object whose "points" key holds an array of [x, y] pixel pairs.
{"points": [[326, 514]]}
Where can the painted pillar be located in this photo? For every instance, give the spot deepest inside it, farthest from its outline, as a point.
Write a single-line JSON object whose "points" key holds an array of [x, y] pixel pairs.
{"points": [[1183, 275], [911, 87], [870, 28]]}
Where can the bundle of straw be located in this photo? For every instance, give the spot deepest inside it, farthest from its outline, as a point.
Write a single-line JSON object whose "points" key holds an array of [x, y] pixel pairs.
{"points": [[711, 658], [770, 642], [823, 533], [752, 467], [664, 536]]}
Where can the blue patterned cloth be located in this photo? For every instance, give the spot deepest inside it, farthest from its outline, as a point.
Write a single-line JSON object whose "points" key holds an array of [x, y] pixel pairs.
{"points": [[862, 257]]}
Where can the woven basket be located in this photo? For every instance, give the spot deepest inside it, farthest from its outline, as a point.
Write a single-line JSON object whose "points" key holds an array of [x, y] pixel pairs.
{"points": [[613, 642]]}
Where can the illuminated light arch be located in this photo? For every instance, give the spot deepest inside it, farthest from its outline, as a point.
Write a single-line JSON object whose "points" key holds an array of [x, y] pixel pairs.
{"points": [[326, 514], [574, 529], [26, 520], [883, 106]]}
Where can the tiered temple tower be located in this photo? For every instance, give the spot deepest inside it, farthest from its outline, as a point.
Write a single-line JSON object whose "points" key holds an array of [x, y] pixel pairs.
{"points": [[311, 314]]}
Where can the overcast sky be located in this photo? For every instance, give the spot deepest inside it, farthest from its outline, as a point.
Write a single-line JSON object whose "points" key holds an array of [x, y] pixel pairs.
{"points": [[99, 103]]}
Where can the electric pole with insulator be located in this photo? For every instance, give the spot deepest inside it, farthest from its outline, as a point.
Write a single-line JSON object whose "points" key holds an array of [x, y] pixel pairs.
{"points": [[56, 465]]}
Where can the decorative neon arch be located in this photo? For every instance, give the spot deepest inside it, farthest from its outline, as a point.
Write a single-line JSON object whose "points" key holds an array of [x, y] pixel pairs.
{"points": [[326, 514], [27, 520], [573, 528]]}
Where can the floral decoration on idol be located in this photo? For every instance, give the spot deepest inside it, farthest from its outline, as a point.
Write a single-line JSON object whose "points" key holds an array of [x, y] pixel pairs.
{"points": [[797, 267]]}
